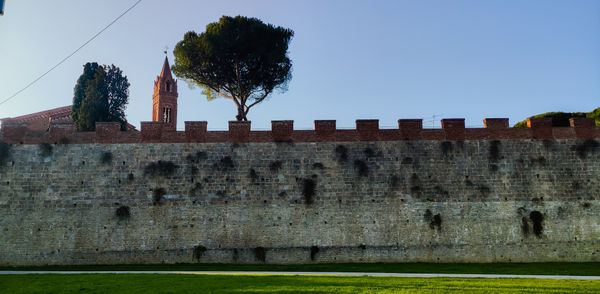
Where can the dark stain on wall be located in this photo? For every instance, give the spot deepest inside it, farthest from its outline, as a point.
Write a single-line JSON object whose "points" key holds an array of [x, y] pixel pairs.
{"points": [[394, 181], [435, 221], [197, 157], [160, 168], [586, 147], [106, 157], [341, 152], [4, 153], [225, 163], [198, 252], [415, 184], [407, 160], [314, 250], [157, 196], [275, 166], [446, 147], [260, 254], [309, 189], [361, 167], [123, 212], [537, 218], [196, 189], [525, 226], [318, 165], [45, 149], [494, 151]]}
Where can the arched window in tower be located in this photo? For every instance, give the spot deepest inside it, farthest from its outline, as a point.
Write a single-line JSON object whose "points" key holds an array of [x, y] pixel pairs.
{"points": [[166, 114], [168, 86]]}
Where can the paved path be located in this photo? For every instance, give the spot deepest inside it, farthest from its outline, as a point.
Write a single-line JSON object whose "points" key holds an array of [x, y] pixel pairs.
{"points": [[341, 274]]}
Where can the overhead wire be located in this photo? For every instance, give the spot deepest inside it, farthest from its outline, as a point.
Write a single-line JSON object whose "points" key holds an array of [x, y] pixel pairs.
{"points": [[72, 53]]}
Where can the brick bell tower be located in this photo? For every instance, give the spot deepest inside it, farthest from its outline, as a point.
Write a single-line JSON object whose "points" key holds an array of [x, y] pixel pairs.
{"points": [[164, 99]]}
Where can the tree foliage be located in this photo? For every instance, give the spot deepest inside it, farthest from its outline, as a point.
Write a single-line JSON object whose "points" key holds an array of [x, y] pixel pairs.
{"points": [[100, 95], [238, 58], [561, 119]]}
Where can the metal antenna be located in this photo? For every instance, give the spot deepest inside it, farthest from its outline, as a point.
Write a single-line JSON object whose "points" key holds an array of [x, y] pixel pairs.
{"points": [[433, 119]]}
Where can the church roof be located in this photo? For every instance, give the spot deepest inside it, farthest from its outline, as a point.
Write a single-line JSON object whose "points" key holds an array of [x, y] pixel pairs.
{"points": [[40, 121]]}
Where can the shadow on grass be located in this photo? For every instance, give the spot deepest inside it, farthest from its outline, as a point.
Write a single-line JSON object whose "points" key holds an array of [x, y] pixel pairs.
{"points": [[580, 269]]}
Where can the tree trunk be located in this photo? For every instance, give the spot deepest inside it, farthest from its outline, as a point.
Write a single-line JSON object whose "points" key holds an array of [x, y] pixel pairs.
{"points": [[241, 116]]}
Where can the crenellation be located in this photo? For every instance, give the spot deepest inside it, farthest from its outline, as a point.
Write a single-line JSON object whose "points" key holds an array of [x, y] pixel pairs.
{"points": [[584, 127], [367, 129], [495, 123], [195, 131], [325, 130], [108, 132], [454, 128], [151, 131], [541, 128], [410, 128], [239, 131], [283, 131]]}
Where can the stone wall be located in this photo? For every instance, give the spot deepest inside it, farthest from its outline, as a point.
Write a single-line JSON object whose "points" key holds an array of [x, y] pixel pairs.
{"points": [[468, 200]]}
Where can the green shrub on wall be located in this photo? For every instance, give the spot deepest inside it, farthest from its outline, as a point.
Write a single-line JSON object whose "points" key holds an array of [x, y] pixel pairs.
{"points": [[561, 119]]}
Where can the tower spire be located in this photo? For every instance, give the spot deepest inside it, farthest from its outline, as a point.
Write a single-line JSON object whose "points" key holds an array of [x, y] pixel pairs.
{"points": [[166, 69], [164, 99]]}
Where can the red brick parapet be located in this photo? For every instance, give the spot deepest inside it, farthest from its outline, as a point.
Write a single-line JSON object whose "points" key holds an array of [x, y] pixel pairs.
{"points": [[541, 128], [325, 130], [195, 131], [585, 128], [454, 128], [151, 131], [107, 132], [410, 129], [283, 131], [367, 129], [495, 123], [239, 132]]}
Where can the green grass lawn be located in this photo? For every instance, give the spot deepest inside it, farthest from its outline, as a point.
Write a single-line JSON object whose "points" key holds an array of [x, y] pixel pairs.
{"points": [[140, 283], [581, 269]]}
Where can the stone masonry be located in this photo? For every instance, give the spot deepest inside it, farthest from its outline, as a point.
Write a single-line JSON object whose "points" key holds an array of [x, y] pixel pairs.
{"points": [[453, 198]]}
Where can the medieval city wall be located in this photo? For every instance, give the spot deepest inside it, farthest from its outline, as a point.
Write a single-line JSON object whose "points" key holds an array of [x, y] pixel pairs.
{"points": [[366, 195]]}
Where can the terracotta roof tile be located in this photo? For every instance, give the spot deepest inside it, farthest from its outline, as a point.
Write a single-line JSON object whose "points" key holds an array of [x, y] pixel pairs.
{"points": [[42, 115], [40, 121]]}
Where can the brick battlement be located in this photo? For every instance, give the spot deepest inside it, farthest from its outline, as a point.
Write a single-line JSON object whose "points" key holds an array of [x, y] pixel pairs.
{"points": [[283, 131]]}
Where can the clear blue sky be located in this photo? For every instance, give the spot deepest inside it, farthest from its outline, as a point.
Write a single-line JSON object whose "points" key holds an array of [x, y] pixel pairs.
{"points": [[352, 59]]}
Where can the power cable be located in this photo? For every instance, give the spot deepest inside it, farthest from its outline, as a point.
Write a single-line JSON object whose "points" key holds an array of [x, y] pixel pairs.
{"points": [[73, 53]]}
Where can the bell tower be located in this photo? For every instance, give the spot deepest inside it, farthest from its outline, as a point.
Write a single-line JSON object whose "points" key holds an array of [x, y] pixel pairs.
{"points": [[164, 99]]}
